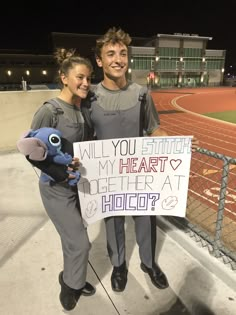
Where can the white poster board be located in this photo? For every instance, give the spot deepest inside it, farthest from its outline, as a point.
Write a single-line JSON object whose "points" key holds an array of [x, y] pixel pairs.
{"points": [[133, 176]]}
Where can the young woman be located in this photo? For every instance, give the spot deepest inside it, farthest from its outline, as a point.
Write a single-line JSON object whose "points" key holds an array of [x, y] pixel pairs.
{"points": [[59, 198]]}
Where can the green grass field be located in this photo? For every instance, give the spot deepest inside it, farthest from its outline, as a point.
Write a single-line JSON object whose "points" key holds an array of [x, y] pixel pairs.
{"points": [[229, 116]]}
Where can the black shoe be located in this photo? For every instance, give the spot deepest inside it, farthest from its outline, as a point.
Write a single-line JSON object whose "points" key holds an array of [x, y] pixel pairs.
{"points": [[88, 289], [119, 278], [156, 275], [69, 297]]}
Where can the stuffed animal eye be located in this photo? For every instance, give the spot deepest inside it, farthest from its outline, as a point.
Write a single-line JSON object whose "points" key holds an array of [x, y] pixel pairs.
{"points": [[54, 139]]}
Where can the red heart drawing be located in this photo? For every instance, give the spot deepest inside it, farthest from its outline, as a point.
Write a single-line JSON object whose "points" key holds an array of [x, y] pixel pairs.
{"points": [[175, 163]]}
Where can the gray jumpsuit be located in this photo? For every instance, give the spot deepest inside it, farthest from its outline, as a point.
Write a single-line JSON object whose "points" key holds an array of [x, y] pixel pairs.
{"points": [[129, 112], [61, 201]]}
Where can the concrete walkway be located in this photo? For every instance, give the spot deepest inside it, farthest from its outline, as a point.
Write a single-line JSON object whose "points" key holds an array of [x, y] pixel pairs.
{"points": [[31, 259]]}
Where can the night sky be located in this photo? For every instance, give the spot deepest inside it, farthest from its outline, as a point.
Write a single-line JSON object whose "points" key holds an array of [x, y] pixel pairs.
{"points": [[27, 25]]}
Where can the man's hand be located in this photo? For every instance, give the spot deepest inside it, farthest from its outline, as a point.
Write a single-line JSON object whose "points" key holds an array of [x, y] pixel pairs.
{"points": [[195, 144]]}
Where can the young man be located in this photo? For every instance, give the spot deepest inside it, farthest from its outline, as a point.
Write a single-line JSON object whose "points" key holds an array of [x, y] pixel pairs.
{"points": [[122, 109]]}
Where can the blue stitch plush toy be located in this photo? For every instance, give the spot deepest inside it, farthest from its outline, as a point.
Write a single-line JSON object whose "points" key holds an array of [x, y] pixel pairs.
{"points": [[45, 143]]}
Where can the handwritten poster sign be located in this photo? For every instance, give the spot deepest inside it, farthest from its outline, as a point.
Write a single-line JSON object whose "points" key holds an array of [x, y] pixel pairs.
{"points": [[133, 176]]}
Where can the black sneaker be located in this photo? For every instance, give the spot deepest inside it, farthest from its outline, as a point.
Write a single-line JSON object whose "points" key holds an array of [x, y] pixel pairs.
{"points": [[119, 278], [69, 297]]}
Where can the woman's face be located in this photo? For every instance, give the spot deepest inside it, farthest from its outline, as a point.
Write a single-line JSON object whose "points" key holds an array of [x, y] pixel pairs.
{"points": [[78, 80]]}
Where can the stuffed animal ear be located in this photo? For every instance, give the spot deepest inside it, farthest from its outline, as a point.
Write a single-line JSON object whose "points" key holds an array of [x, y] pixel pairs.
{"points": [[33, 147]]}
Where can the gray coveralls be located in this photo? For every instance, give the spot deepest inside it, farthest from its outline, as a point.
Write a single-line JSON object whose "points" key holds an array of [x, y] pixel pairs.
{"points": [[129, 112], [61, 201]]}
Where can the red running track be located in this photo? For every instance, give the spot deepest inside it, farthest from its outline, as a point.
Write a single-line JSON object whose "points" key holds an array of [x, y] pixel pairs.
{"points": [[180, 112]]}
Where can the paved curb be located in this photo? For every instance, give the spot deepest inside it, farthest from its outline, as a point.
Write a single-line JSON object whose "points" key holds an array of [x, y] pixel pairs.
{"points": [[215, 266]]}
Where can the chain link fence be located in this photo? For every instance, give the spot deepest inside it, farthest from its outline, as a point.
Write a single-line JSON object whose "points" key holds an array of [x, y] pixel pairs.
{"points": [[211, 205]]}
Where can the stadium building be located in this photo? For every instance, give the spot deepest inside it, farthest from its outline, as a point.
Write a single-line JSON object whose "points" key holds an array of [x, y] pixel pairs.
{"points": [[177, 60]]}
